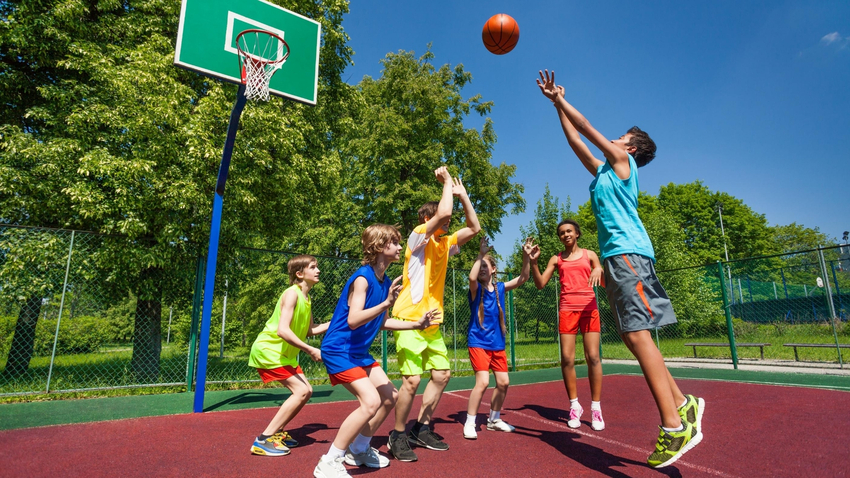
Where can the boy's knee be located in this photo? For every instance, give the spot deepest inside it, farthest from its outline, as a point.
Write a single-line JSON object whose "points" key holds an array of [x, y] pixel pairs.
{"points": [[441, 377], [410, 382], [502, 383], [482, 382]]}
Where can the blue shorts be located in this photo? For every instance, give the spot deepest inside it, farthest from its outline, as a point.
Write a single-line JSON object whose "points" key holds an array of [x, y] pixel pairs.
{"points": [[635, 295]]}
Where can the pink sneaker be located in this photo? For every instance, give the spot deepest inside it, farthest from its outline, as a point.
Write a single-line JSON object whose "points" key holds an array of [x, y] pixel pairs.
{"points": [[597, 423], [575, 416]]}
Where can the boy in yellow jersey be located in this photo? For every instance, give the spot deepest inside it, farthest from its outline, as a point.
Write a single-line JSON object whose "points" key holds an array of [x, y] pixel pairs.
{"points": [[426, 261], [275, 353]]}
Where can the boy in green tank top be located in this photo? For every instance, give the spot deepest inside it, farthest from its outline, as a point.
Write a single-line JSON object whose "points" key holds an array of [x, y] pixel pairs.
{"points": [[275, 353]]}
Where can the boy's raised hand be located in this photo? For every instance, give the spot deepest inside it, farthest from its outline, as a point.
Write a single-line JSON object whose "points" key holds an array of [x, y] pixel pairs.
{"points": [[395, 289], [457, 188], [548, 86], [528, 246], [442, 174]]}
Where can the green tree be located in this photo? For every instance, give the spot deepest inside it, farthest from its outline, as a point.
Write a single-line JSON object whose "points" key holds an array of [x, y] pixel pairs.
{"points": [[796, 237], [695, 208], [102, 132], [407, 123]]}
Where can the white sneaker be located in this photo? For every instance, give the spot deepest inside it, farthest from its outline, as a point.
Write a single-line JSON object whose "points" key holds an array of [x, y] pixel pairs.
{"points": [[575, 417], [499, 425], [330, 468], [370, 458], [469, 432], [597, 423]]}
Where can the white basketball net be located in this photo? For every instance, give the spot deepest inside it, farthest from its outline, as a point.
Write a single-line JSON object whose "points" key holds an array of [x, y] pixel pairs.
{"points": [[261, 54], [258, 74]]}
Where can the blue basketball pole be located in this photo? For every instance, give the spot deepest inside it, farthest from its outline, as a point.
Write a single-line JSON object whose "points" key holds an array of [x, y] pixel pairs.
{"points": [[212, 252]]}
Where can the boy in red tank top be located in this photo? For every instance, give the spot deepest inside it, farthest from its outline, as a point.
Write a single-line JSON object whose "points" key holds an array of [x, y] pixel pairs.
{"points": [[579, 271]]}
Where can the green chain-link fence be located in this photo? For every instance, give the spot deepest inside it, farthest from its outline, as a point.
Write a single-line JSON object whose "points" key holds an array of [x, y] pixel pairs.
{"points": [[77, 312]]}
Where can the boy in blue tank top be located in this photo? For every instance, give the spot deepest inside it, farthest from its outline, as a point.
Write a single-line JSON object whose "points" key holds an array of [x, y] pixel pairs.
{"points": [[360, 314], [638, 302]]}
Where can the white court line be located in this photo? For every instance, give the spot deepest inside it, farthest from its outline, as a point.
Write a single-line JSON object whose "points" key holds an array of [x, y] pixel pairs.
{"points": [[606, 440]]}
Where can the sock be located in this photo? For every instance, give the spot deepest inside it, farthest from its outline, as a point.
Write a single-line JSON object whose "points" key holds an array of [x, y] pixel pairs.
{"points": [[334, 452], [684, 403], [596, 406], [416, 427], [574, 403], [470, 420], [494, 415], [263, 437], [360, 444], [681, 427]]}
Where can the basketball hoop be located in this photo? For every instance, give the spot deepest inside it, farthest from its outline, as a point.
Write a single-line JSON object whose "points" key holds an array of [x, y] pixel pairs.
{"points": [[261, 54]]}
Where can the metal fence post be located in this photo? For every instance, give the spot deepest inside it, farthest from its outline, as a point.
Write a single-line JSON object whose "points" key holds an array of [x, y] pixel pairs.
{"points": [[831, 306], [512, 324], [61, 307], [731, 331], [196, 312], [454, 319]]}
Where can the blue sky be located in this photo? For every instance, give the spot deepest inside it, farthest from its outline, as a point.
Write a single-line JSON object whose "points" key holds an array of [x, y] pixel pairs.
{"points": [[752, 98]]}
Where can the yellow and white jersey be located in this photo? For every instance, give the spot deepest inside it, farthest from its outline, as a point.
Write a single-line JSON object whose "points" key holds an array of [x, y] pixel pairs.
{"points": [[426, 260]]}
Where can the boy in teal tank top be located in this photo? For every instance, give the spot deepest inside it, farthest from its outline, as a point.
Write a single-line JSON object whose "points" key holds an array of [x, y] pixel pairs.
{"points": [[275, 353], [638, 302]]}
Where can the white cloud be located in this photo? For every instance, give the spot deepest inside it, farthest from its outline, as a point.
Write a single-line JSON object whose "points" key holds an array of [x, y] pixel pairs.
{"points": [[831, 38]]}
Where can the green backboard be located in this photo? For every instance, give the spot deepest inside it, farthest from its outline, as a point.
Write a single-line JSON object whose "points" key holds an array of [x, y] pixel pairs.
{"points": [[206, 43]]}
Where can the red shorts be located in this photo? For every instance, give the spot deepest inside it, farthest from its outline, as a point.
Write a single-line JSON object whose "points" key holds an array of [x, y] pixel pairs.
{"points": [[571, 321], [351, 374], [280, 373], [485, 360]]}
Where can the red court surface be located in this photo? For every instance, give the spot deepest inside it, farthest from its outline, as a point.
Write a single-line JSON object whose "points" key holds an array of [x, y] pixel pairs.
{"points": [[750, 431]]}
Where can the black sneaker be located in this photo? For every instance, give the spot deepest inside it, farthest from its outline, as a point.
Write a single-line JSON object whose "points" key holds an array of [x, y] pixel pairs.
{"points": [[426, 439], [400, 448]]}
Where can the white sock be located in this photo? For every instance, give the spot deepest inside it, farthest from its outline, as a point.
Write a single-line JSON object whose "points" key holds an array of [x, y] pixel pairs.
{"points": [[681, 427], [494, 415], [574, 403], [596, 406], [334, 452], [684, 403], [360, 444], [470, 420]]}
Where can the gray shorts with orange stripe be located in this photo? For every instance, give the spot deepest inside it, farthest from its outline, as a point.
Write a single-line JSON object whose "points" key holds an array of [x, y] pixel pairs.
{"points": [[637, 299]]}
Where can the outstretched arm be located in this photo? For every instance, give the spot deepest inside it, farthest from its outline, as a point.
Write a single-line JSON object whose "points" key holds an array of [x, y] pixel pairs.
{"points": [[527, 247], [472, 227], [540, 280], [618, 158], [483, 248], [444, 208], [574, 139], [284, 327], [357, 315]]}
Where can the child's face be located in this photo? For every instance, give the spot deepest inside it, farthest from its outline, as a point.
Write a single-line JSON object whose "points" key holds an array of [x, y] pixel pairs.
{"points": [[567, 235], [392, 250], [622, 143], [486, 272], [310, 273]]}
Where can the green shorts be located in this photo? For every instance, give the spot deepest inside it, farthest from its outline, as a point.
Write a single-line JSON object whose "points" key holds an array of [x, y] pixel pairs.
{"points": [[421, 350]]}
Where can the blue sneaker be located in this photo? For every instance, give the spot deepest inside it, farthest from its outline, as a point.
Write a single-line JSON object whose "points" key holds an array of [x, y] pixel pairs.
{"points": [[271, 446]]}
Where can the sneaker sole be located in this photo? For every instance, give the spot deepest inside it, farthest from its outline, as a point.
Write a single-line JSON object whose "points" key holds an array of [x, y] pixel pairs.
{"points": [[498, 430], [368, 465], [694, 442], [597, 428], [700, 411], [470, 437], [574, 426], [261, 452], [417, 443]]}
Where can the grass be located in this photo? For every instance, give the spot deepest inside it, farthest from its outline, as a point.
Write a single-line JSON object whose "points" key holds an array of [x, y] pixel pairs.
{"points": [[108, 371]]}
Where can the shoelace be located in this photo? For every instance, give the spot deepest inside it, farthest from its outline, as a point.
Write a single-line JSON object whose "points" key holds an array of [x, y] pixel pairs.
{"points": [[597, 415], [575, 413]]}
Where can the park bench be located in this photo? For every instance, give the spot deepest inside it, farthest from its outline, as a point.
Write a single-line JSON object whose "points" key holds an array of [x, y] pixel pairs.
{"points": [[761, 346], [821, 346]]}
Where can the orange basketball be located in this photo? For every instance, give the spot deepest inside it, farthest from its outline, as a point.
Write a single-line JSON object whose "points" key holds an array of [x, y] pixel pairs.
{"points": [[500, 34]]}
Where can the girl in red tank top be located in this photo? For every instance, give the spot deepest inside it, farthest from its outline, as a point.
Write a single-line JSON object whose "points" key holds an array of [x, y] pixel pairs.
{"points": [[579, 271]]}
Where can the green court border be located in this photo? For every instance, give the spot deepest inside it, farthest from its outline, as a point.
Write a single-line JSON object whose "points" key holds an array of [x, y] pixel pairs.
{"points": [[63, 412]]}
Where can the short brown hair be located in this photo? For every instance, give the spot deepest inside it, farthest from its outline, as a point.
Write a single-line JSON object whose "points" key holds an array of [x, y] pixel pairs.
{"points": [[429, 209], [296, 265], [644, 146], [375, 238]]}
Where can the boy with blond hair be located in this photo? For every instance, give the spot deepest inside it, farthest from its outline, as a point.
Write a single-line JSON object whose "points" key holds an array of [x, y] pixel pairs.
{"points": [[426, 261]]}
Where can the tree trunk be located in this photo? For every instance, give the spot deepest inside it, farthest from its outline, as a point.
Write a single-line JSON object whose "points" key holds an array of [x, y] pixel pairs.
{"points": [[147, 334], [23, 340]]}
